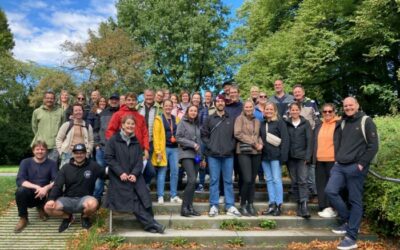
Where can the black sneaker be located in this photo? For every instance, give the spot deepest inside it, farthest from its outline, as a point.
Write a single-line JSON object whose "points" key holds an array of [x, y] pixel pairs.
{"points": [[341, 230], [66, 223], [86, 224]]}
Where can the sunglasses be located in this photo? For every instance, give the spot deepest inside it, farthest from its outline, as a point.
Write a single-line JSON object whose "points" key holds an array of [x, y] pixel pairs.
{"points": [[262, 96], [327, 111], [80, 98]]}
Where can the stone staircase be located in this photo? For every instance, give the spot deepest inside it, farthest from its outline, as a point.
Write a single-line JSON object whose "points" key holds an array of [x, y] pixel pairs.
{"points": [[37, 235], [206, 231]]}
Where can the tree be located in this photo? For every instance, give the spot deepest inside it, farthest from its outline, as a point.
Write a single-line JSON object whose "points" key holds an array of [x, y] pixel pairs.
{"points": [[6, 37], [186, 40], [114, 61], [334, 48]]}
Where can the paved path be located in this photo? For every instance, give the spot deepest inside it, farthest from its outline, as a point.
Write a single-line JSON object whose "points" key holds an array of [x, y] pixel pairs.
{"points": [[7, 174], [37, 235]]}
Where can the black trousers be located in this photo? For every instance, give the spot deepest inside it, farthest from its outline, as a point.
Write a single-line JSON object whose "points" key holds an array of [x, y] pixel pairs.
{"points": [[145, 216], [248, 165], [192, 170], [25, 198], [298, 175], [322, 173]]}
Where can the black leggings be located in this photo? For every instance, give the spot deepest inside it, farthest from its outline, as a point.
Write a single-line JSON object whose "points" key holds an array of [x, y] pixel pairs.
{"points": [[322, 173], [248, 165], [192, 170]]}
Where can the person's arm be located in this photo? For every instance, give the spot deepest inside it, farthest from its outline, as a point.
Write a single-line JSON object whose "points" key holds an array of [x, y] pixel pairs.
{"points": [[158, 130], [372, 143], [96, 131], [113, 125], [205, 131], [61, 136], [137, 169], [111, 159], [181, 138], [240, 134], [34, 122], [58, 185], [90, 140], [309, 142], [284, 141]]}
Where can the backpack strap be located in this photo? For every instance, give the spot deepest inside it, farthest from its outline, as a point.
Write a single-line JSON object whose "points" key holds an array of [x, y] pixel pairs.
{"points": [[363, 120]]}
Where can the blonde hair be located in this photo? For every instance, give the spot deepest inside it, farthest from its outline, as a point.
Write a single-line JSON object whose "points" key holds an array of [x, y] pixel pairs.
{"points": [[275, 117]]}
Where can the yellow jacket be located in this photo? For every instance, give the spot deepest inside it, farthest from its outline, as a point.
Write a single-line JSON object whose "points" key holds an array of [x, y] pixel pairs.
{"points": [[159, 142]]}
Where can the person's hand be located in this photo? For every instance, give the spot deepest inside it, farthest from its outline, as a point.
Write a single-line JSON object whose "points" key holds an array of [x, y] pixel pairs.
{"points": [[203, 164], [196, 147], [51, 204], [259, 147], [132, 178], [123, 177], [146, 154], [40, 192], [159, 157], [360, 167]]}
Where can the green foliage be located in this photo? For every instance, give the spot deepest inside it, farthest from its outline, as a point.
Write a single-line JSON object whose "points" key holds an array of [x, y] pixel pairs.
{"points": [[113, 241], [335, 48], [186, 40], [178, 242], [6, 37], [236, 242], [234, 225], [9, 169], [382, 200], [114, 61], [7, 187], [268, 224]]}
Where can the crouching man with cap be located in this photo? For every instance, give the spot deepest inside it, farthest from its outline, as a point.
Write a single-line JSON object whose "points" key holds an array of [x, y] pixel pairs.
{"points": [[73, 189]]}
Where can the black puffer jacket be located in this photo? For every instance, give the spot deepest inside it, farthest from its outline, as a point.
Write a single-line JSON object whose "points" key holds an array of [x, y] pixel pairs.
{"points": [[271, 152], [300, 139]]}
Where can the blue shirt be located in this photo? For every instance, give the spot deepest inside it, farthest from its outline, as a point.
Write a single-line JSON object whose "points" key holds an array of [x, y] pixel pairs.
{"points": [[37, 173]]}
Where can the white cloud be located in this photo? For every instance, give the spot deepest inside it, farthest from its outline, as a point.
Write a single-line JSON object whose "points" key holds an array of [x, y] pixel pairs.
{"points": [[41, 42], [33, 4]]}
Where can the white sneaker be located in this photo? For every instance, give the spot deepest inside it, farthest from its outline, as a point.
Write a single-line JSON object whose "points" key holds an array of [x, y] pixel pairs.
{"points": [[327, 213], [213, 211], [160, 200], [232, 211], [221, 200], [176, 199]]}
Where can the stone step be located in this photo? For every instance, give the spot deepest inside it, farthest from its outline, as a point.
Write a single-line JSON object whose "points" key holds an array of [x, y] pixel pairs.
{"points": [[204, 207], [124, 222], [219, 237], [204, 196]]}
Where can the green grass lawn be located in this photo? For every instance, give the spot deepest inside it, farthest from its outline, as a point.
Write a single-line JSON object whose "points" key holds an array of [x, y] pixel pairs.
{"points": [[7, 190], [8, 169]]}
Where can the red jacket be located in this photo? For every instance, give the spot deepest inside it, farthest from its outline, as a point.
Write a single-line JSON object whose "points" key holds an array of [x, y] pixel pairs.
{"points": [[140, 125]]}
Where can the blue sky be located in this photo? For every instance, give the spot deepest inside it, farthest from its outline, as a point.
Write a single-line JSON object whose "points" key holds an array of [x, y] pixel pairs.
{"points": [[41, 26]]}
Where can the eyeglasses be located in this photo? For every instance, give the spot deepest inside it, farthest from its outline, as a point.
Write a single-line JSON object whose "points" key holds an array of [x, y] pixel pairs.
{"points": [[80, 98], [327, 111], [262, 96]]}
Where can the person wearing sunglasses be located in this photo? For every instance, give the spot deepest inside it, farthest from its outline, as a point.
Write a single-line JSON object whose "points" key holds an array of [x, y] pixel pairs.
{"points": [[260, 106], [324, 156], [80, 98]]}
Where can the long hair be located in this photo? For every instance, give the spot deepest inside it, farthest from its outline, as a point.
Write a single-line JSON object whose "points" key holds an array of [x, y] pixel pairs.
{"points": [[275, 117]]}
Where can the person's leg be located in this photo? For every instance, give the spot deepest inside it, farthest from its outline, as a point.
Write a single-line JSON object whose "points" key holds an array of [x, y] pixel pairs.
{"points": [[276, 171], [255, 163], [188, 164], [311, 179], [292, 165], [215, 170], [24, 198], [227, 172], [149, 171], [52, 154], [172, 156], [58, 209], [269, 180], [99, 186], [161, 171], [320, 180], [302, 171], [65, 157], [245, 176], [355, 184], [336, 183], [88, 206]]}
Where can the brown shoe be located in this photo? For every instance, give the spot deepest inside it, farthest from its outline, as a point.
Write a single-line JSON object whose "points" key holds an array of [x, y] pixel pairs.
{"points": [[42, 214], [22, 223]]}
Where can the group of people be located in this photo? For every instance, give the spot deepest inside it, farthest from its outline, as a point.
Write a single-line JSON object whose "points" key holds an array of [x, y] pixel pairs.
{"points": [[133, 142]]}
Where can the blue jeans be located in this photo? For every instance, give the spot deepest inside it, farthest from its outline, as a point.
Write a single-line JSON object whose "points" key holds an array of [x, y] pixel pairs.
{"points": [[52, 154], [172, 157], [216, 165], [65, 157], [273, 176], [99, 186], [350, 177], [149, 171]]}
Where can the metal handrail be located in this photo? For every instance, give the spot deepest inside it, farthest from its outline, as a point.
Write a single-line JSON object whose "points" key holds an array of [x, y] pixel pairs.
{"points": [[384, 178]]}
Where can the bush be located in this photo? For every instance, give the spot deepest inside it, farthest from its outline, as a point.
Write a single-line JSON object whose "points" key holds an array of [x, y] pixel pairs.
{"points": [[382, 198]]}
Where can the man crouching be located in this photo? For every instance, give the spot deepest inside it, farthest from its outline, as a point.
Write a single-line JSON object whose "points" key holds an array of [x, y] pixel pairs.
{"points": [[34, 180], [73, 189]]}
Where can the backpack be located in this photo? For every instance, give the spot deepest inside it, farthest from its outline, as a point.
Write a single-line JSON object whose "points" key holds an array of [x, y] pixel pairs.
{"points": [[71, 124], [374, 160]]}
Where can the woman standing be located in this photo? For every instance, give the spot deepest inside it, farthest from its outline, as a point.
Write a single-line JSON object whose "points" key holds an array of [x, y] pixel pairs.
{"points": [[249, 146], [324, 156], [259, 108], [127, 191], [275, 138], [166, 152], [299, 130], [188, 138], [180, 110]]}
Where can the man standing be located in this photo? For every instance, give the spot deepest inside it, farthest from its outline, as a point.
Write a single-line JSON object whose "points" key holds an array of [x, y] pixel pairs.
{"points": [[235, 107], [34, 181], [150, 109], [101, 125], [281, 99], [356, 144], [46, 120], [73, 189], [129, 108], [217, 135], [94, 97], [75, 131]]}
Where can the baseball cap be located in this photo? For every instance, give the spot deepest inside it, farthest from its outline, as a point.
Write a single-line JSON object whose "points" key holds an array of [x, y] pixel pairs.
{"points": [[79, 148]]}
